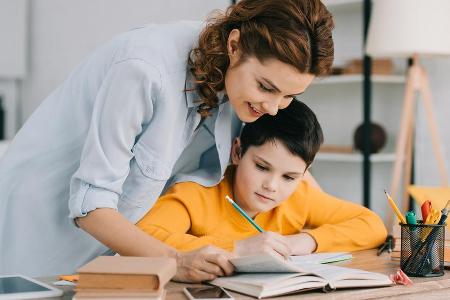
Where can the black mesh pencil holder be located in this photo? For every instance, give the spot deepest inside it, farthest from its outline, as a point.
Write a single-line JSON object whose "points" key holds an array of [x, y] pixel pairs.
{"points": [[422, 250]]}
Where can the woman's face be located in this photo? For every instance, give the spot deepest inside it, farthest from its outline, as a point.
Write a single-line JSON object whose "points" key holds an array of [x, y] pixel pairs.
{"points": [[256, 88]]}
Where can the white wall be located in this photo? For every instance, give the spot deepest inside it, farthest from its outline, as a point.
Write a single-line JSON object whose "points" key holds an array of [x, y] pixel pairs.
{"points": [[13, 67], [427, 172], [62, 33], [12, 16]]}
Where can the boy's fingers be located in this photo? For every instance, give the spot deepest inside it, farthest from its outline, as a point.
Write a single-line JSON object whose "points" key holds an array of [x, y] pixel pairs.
{"points": [[276, 254], [281, 248]]}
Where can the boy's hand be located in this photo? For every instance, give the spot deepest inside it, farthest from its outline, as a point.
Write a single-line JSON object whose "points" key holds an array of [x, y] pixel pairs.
{"points": [[302, 243], [203, 264], [267, 242]]}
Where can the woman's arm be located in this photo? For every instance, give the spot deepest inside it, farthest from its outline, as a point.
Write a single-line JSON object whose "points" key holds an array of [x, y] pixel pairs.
{"points": [[128, 240], [121, 235]]}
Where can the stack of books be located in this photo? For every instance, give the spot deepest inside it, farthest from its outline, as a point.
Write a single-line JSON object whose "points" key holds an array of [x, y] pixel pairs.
{"points": [[124, 277], [264, 275], [396, 233]]}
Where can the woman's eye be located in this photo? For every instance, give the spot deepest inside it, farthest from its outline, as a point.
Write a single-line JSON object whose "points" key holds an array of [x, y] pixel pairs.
{"points": [[261, 167], [265, 89], [289, 178]]}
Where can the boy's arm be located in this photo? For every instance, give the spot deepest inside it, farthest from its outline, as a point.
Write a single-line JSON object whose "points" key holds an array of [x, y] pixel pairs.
{"points": [[169, 220], [185, 209], [338, 225]]}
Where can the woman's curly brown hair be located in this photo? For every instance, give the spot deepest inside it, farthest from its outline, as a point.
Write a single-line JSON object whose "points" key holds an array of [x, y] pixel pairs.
{"points": [[296, 32]]}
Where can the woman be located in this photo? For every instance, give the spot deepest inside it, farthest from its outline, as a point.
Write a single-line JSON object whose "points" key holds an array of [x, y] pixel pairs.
{"points": [[157, 105]]}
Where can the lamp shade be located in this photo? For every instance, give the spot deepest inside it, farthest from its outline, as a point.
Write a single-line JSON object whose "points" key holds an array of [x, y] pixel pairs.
{"points": [[401, 28]]}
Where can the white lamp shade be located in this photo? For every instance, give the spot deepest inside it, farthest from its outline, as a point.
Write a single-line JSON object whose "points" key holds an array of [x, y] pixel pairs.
{"points": [[401, 28]]}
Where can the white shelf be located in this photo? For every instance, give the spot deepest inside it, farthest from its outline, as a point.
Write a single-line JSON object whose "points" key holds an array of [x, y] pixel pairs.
{"points": [[354, 157], [338, 3], [358, 78]]}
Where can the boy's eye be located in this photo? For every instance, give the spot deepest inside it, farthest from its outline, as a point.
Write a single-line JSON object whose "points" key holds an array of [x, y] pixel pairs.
{"points": [[261, 167], [289, 178], [265, 89]]}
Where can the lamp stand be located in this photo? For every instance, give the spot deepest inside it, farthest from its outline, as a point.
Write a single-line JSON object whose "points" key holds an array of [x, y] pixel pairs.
{"points": [[417, 83]]}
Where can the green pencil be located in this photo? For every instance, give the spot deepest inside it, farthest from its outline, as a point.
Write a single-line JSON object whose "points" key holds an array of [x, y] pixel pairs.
{"points": [[242, 212]]}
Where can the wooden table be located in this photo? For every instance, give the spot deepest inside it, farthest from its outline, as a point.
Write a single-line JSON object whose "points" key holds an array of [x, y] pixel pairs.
{"points": [[422, 289]]}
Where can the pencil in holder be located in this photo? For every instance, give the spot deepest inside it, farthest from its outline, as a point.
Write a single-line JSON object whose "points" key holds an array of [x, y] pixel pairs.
{"points": [[422, 249]]}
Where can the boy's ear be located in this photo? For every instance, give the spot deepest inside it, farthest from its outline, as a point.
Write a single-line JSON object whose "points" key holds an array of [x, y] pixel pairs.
{"points": [[306, 169], [236, 151]]}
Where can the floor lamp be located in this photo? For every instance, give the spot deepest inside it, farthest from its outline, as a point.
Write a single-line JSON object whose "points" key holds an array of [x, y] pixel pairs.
{"points": [[411, 29]]}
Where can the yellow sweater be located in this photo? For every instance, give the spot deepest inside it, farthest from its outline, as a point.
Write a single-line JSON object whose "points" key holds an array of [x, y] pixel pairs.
{"points": [[190, 216]]}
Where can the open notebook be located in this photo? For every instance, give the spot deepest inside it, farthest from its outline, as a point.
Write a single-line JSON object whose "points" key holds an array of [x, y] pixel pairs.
{"points": [[268, 263], [266, 276]]}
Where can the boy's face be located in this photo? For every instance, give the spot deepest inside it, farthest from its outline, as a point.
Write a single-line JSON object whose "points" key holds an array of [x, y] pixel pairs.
{"points": [[265, 176]]}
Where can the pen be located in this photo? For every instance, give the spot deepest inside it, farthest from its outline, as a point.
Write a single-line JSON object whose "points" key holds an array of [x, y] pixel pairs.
{"points": [[425, 209], [411, 218], [444, 214], [433, 218], [443, 218], [429, 239], [395, 208], [242, 212], [413, 234], [387, 246]]}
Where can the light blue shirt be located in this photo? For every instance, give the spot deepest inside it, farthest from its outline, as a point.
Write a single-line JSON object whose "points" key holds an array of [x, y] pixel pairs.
{"points": [[114, 134]]}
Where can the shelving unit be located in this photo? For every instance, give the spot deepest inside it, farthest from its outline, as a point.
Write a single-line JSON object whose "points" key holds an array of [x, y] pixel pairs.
{"points": [[358, 78], [355, 157], [343, 102], [341, 3]]}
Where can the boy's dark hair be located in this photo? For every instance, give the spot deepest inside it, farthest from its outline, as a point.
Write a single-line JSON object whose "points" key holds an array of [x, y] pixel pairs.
{"points": [[296, 127]]}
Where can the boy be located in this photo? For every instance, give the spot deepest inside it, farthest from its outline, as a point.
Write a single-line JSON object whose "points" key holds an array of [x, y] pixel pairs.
{"points": [[265, 180]]}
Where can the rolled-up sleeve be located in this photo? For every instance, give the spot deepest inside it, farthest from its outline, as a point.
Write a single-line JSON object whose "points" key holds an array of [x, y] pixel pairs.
{"points": [[123, 106]]}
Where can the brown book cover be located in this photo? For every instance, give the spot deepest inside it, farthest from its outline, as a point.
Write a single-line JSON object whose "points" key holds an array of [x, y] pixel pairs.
{"points": [[113, 295], [126, 272], [118, 293]]}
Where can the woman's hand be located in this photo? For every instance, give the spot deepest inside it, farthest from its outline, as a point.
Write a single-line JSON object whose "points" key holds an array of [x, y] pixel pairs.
{"points": [[267, 242], [204, 264]]}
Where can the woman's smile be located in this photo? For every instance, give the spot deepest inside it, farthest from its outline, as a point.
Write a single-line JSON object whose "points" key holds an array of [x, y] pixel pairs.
{"points": [[253, 111]]}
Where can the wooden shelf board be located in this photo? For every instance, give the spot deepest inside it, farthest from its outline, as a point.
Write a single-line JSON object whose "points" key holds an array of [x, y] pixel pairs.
{"points": [[338, 3], [354, 157], [358, 78]]}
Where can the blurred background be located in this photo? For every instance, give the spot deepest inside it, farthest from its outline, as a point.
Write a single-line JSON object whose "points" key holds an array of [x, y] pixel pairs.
{"points": [[43, 40]]}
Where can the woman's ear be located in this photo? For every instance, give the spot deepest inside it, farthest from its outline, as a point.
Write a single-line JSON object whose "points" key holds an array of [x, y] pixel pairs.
{"points": [[236, 151], [233, 46]]}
